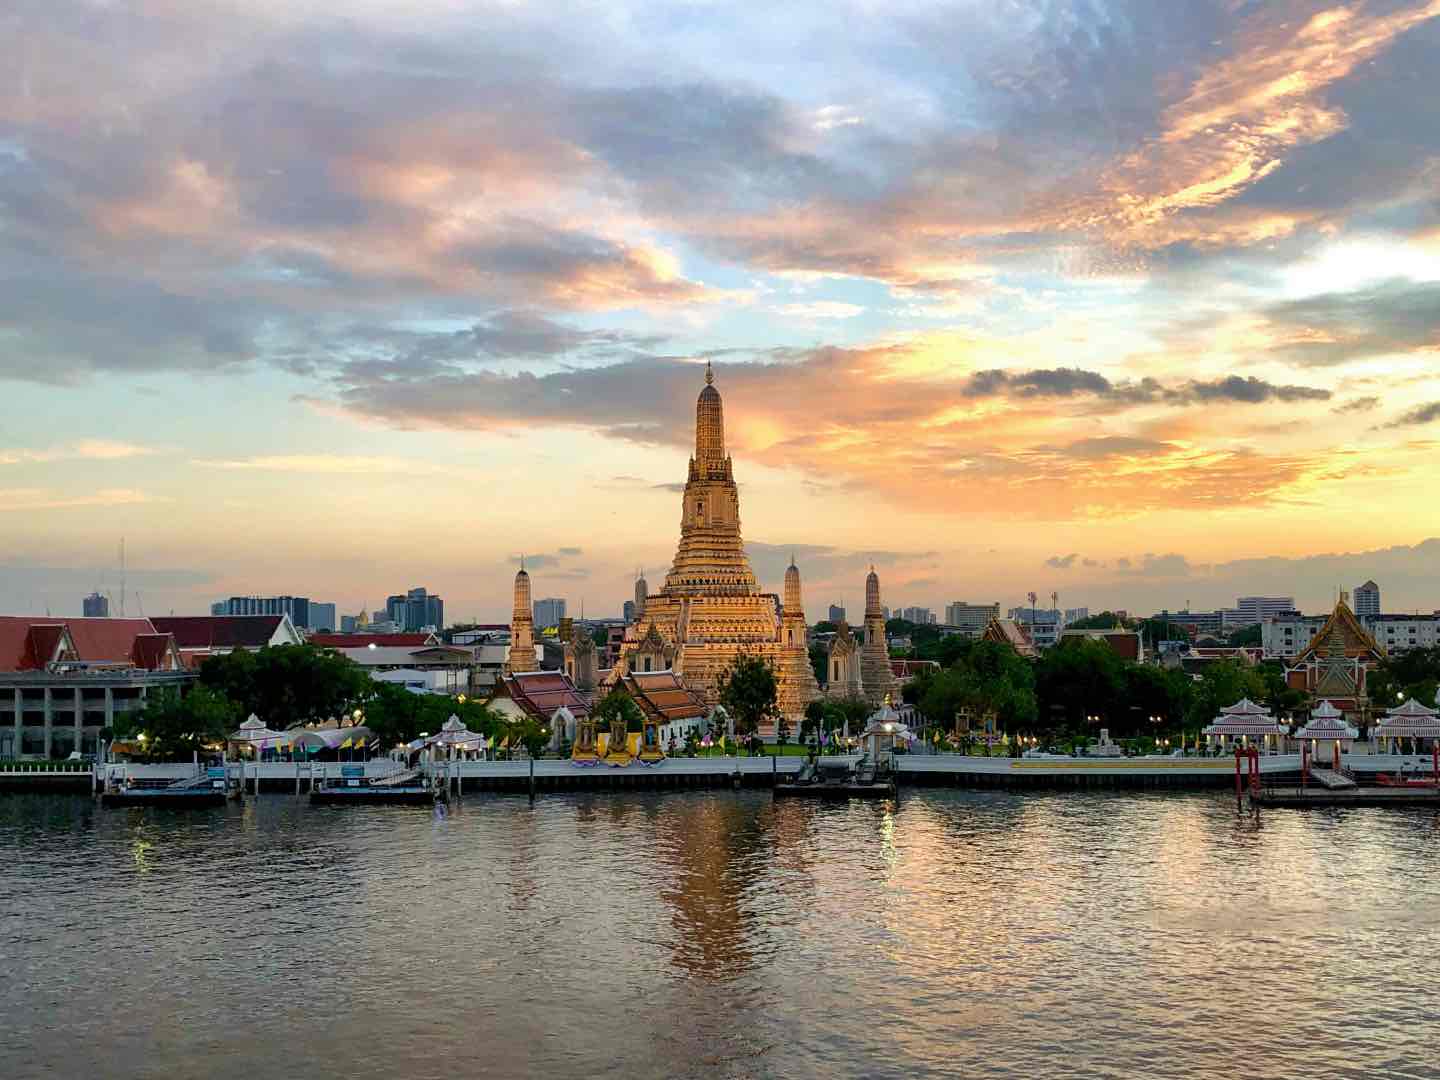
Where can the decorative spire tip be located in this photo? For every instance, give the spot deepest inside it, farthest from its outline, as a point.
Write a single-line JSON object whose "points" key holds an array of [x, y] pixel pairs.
{"points": [[709, 374]]}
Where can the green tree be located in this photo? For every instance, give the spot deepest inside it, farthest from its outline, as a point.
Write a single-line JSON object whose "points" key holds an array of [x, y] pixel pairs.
{"points": [[1106, 620], [820, 662], [1221, 685], [288, 684], [1080, 678], [748, 692], [617, 704], [782, 731], [174, 727], [1244, 637], [1163, 693], [1154, 631]]}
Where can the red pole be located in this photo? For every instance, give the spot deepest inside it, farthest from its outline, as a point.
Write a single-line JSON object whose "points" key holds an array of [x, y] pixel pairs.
{"points": [[1255, 773], [1238, 789]]}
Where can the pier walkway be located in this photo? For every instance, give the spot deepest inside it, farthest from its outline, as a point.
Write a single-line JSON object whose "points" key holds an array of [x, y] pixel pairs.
{"points": [[1331, 779]]}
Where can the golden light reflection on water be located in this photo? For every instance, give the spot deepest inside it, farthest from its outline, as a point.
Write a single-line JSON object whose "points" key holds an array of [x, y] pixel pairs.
{"points": [[729, 934]]}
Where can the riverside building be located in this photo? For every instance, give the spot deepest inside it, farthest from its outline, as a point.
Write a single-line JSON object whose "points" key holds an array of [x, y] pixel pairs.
{"points": [[62, 681]]}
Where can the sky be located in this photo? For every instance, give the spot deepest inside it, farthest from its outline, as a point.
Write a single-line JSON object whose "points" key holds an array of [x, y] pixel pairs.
{"points": [[1135, 303]]}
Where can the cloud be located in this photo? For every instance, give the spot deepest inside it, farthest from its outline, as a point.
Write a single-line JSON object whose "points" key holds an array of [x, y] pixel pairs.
{"points": [[1073, 382], [82, 450], [1357, 405], [1061, 562], [331, 464], [1395, 316], [1421, 414], [18, 499], [1171, 565], [821, 309]]}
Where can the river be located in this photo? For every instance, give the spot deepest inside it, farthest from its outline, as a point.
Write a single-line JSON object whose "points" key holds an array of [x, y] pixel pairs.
{"points": [[718, 935]]}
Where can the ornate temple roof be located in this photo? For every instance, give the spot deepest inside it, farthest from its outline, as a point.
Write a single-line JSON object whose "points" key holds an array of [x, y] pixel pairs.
{"points": [[1411, 720], [1327, 722], [1342, 636], [1245, 717]]}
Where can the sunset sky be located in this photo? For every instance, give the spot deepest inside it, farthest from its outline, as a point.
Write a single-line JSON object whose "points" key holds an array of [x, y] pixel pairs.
{"points": [[1138, 302]]}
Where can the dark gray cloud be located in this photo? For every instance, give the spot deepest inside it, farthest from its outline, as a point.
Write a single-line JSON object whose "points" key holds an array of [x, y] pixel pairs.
{"points": [[1152, 565], [1077, 382], [1250, 391], [1393, 316], [1421, 414], [1062, 562]]}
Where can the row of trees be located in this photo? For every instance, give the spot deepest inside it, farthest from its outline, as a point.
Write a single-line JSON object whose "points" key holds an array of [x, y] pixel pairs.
{"points": [[1083, 683]]}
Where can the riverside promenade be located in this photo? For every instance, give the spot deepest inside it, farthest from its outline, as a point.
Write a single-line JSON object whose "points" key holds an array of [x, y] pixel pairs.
{"points": [[549, 775]]}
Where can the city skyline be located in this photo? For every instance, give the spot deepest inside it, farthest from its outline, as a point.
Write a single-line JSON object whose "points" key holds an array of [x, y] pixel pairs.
{"points": [[1083, 298]]}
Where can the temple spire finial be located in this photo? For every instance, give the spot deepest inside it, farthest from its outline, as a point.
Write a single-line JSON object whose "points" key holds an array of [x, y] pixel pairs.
{"points": [[709, 374]]}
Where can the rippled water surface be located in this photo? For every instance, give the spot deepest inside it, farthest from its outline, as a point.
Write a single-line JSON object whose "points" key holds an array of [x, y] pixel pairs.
{"points": [[974, 934]]}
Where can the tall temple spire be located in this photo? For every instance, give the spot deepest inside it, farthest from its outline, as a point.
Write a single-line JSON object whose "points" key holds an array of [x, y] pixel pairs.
{"points": [[522, 625], [709, 427]]}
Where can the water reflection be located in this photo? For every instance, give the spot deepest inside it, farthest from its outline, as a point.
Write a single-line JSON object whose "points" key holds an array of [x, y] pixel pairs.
{"points": [[718, 934]]}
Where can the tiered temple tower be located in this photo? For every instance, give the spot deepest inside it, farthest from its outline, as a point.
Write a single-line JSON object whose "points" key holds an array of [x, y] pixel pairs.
{"points": [[792, 663], [522, 627], [875, 672], [710, 609]]}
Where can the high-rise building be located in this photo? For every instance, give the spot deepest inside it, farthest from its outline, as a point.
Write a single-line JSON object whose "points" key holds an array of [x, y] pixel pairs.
{"points": [[1367, 600], [415, 610], [627, 611], [921, 615], [837, 613], [322, 618], [299, 608], [1075, 614], [967, 616], [97, 606], [549, 611], [1253, 610]]}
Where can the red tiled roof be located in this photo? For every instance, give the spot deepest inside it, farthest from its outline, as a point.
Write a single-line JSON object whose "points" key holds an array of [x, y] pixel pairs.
{"points": [[43, 643], [219, 631], [361, 641], [154, 652], [662, 695], [28, 642], [540, 693]]}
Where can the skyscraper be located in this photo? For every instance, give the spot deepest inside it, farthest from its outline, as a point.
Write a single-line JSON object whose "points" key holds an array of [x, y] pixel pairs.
{"points": [[97, 606], [549, 611], [837, 613], [1367, 600], [415, 610]]}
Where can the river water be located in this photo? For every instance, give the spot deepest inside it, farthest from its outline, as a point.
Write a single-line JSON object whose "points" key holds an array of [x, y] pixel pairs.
{"points": [[718, 935]]}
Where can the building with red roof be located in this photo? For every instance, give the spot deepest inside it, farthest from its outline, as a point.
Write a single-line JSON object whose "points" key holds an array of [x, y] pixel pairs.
{"points": [[199, 636], [62, 681]]}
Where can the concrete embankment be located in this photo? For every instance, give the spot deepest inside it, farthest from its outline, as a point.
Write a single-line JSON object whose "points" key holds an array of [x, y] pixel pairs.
{"points": [[919, 770]]}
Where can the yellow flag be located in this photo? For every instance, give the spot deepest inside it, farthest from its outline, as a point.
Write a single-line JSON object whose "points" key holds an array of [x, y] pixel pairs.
{"points": [[349, 742], [360, 743]]}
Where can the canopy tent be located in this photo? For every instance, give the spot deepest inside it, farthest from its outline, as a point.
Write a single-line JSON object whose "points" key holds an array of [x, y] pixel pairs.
{"points": [[1409, 721], [1327, 725], [333, 740], [1243, 721], [254, 737]]}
